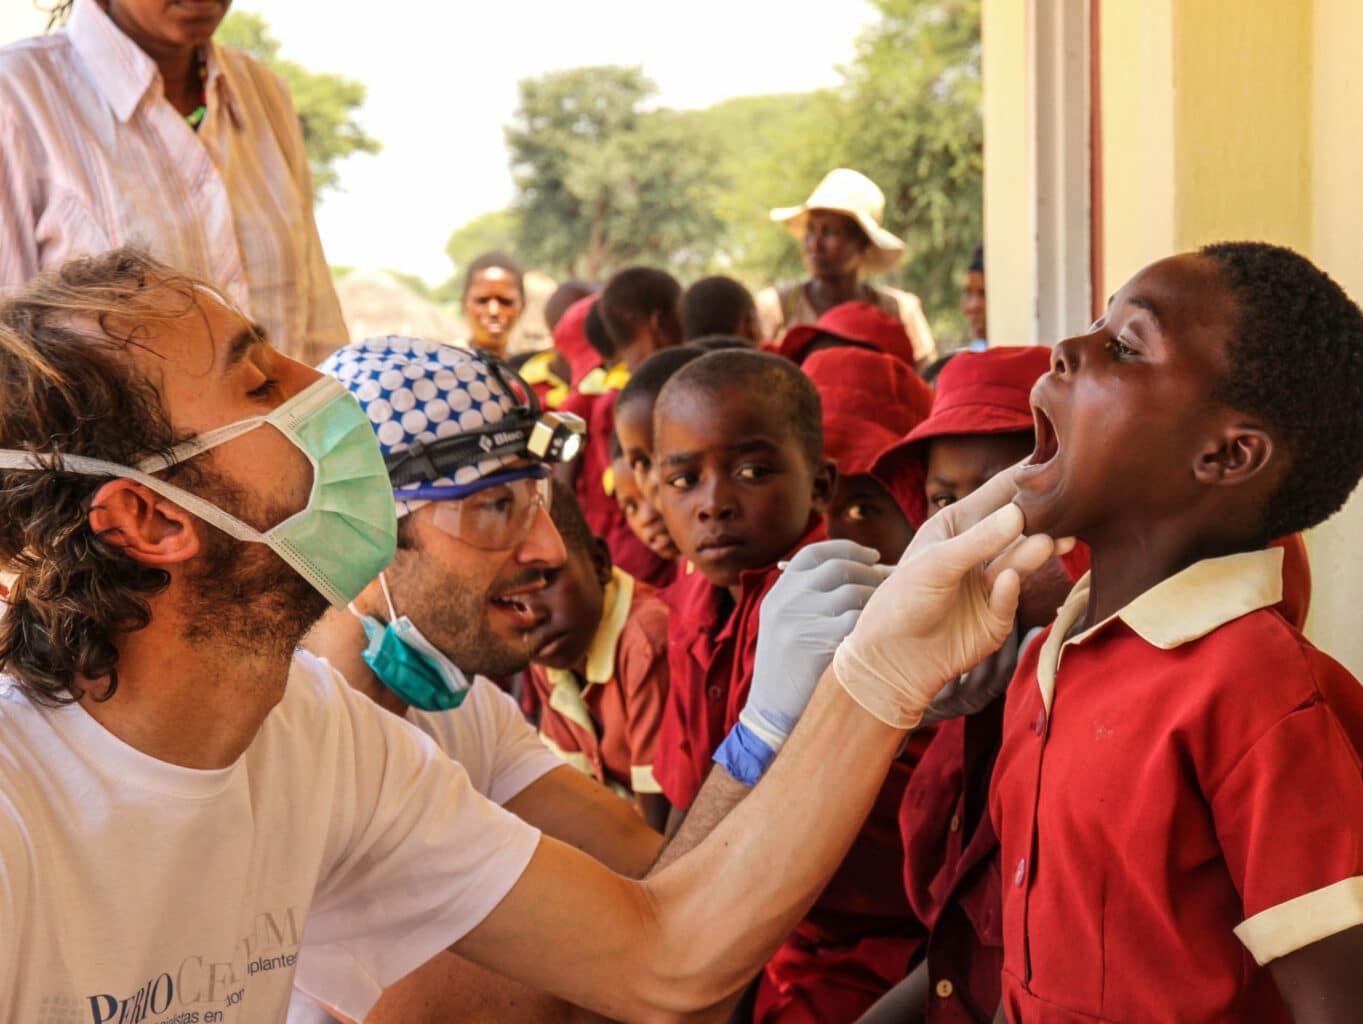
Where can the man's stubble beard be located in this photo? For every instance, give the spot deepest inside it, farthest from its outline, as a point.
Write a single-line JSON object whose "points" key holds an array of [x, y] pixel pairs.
{"points": [[454, 617], [244, 595]]}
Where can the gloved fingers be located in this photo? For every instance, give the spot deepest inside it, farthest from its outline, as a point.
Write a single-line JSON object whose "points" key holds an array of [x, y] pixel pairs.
{"points": [[851, 597], [1003, 604], [950, 560], [1024, 555], [960, 516], [833, 575], [811, 556]]}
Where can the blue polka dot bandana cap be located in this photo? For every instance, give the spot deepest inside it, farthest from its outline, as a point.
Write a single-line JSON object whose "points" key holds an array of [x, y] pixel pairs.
{"points": [[414, 390]]}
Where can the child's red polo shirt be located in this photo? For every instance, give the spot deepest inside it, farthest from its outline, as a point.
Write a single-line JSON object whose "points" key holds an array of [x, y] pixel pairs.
{"points": [[606, 724], [1178, 799], [951, 867], [860, 938], [710, 661]]}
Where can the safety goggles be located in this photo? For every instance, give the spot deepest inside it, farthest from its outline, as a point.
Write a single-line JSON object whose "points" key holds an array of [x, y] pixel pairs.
{"points": [[495, 513]]}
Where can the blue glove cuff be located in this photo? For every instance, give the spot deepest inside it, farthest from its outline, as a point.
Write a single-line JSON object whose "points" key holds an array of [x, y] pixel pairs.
{"points": [[744, 755]]}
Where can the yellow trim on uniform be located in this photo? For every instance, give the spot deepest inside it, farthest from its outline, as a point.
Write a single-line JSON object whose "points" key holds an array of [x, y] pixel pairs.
{"points": [[537, 370], [1185, 607], [572, 758], [566, 697], [1299, 922], [641, 779]]}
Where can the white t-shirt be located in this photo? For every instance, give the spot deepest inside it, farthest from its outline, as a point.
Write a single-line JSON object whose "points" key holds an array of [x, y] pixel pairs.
{"points": [[138, 892], [489, 736]]}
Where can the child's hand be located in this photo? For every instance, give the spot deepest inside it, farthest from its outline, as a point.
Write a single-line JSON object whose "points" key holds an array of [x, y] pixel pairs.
{"points": [[804, 617], [951, 601]]}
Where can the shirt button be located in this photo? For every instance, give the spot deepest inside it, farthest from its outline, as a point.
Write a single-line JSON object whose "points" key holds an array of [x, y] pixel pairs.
{"points": [[715, 693], [1020, 873], [945, 988], [955, 823], [1039, 726]]}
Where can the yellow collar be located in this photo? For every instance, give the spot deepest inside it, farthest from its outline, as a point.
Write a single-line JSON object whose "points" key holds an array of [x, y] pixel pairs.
{"points": [[600, 668], [1186, 606]]}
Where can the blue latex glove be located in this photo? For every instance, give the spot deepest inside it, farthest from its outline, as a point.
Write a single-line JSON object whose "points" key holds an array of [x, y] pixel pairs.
{"points": [[803, 618]]}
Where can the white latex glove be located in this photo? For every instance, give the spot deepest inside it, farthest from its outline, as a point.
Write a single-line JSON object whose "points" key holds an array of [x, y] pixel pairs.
{"points": [[949, 603], [973, 691], [803, 618]]}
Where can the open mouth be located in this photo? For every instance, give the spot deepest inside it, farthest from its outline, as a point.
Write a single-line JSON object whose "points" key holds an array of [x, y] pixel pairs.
{"points": [[1047, 441], [516, 604]]}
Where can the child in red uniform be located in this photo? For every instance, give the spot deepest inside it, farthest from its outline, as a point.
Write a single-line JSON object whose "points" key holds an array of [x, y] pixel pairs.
{"points": [[850, 325], [860, 936], [741, 483], [599, 664], [869, 400], [1193, 849], [981, 423], [641, 515], [639, 310]]}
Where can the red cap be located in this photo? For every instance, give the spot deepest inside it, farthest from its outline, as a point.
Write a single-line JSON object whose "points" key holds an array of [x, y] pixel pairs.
{"points": [[858, 323], [869, 400], [985, 392], [570, 338]]}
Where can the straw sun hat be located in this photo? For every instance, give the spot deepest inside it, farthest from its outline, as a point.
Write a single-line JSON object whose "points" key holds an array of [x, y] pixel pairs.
{"points": [[851, 193]]}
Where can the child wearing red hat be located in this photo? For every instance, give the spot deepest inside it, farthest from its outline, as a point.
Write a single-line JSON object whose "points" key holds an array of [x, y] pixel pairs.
{"points": [[981, 423], [742, 484], [852, 324], [860, 936], [870, 400]]}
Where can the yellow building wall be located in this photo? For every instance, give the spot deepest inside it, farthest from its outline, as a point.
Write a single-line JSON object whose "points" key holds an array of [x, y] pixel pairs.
{"points": [[1009, 224], [1221, 119]]}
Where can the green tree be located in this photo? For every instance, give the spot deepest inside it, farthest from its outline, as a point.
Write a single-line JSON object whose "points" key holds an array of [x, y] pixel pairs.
{"points": [[326, 102], [602, 182], [497, 230], [912, 123]]}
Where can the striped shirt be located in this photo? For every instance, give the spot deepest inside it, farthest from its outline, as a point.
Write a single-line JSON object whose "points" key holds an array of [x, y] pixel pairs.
{"points": [[93, 156]]}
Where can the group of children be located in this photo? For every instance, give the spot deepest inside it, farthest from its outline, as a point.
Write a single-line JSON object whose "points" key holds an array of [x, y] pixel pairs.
{"points": [[1197, 821]]}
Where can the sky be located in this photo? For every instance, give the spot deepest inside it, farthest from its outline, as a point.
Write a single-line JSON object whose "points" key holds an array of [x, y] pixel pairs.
{"points": [[441, 81]]}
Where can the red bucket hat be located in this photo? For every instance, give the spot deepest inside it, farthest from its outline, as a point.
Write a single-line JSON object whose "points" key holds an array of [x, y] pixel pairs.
{"points": [[570, 338], [858, 323], [869, 400], [985, 392]]}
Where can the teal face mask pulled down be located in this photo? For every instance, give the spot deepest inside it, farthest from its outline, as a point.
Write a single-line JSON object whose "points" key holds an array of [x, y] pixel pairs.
{"points": [[345, 535], [409, 664]]}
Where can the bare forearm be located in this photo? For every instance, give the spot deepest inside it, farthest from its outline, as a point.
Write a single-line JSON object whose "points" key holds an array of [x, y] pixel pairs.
{"points": [[719, 795], [723, 908]]}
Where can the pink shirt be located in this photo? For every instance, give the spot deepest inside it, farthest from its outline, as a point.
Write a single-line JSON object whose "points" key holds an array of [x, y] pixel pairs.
{"points": [[95, 158]]}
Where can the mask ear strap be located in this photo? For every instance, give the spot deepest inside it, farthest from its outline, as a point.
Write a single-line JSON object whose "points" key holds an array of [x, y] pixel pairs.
{"points": [[383, 585]]}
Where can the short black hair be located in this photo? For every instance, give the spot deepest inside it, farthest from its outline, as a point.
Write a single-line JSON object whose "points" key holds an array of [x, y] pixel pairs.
{"points": [[718, 342], [632, 296], [595, 331], [976, 261], [568, 519], [1294, 359], [648, 380], [756, 376], [715, 305], [569, 292], [489, 261]]}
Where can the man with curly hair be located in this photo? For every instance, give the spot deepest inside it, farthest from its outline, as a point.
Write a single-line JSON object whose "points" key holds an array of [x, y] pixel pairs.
{"points": [[182, 793]]}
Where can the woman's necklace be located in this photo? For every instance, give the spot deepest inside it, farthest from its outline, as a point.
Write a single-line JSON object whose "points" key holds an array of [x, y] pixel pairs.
{"points": [[196, 116]]}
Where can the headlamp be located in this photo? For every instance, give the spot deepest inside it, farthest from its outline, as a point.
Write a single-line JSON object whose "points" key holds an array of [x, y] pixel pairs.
{"points": [[525, 431]]}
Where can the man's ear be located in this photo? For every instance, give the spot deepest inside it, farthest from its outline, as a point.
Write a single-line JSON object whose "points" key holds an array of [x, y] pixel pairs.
{"points": [[601, 560], [1237, 456], [143, 525], [825, 479]]}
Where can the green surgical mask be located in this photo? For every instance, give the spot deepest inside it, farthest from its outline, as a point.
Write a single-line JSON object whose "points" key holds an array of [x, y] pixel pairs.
{"points": [[345, 535], [409, 664]]}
